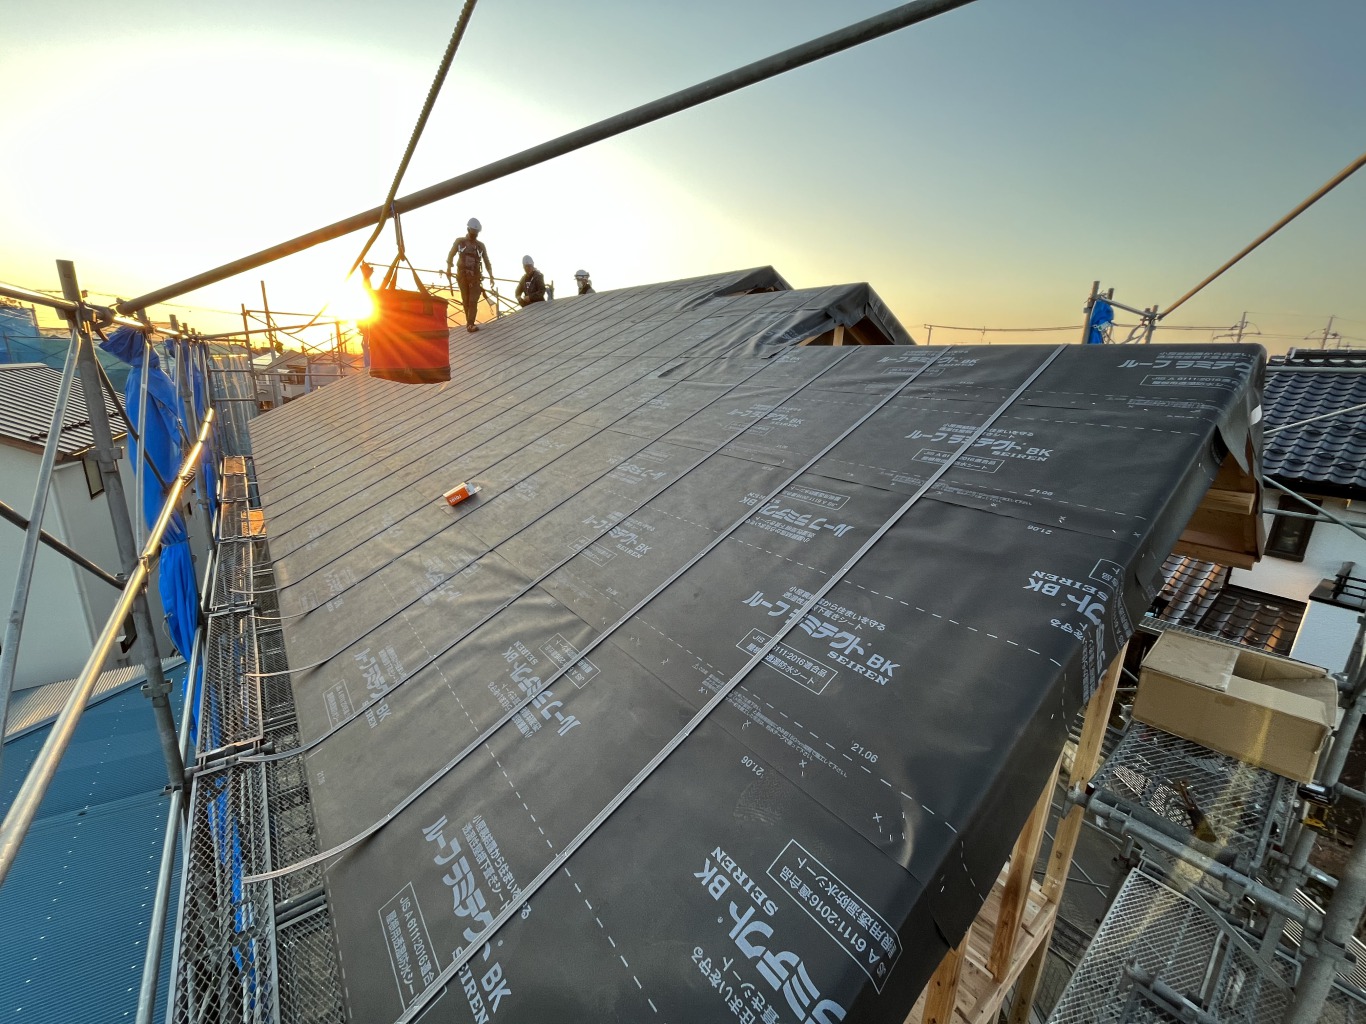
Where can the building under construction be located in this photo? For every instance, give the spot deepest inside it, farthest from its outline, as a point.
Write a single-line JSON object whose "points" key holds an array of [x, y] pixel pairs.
{"points": [[708, 650], [697, 651]]}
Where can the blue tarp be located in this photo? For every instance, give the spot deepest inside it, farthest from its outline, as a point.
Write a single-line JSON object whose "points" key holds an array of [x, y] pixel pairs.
{"points": [[158, 426], [186, 363], [1102, 316]]}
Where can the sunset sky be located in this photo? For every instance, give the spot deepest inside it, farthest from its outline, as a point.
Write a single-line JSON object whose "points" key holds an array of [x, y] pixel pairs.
{"points": [[980, 169]]}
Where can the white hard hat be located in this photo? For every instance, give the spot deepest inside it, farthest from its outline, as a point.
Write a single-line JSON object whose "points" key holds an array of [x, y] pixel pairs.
{"points": [[527, 261], [474, 224], [580, 273]]}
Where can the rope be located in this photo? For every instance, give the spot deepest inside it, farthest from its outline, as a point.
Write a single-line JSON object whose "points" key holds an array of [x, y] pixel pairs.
{"points": [[432, 92], [1333, 183]]}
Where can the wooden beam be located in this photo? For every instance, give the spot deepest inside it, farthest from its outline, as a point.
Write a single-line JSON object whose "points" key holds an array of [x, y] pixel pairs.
{"points": [[1016, 894], [1220, 500], [839, 335], [1023, 1004], [1069, 828], [941, 994], [1083, 767]]}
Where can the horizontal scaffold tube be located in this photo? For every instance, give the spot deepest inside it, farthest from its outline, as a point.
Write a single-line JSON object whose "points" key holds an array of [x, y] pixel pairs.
{"points": [[798, 56]]}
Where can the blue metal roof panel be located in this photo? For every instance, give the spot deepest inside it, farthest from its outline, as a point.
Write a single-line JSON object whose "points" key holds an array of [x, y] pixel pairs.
{"points": [[76, 907], [77, 901], [113, 755]]}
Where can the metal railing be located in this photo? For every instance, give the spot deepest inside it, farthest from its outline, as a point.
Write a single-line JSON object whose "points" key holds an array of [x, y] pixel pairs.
{"points": [[30, 795]]}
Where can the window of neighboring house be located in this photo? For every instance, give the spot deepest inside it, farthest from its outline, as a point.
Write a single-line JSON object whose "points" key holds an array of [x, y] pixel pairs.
{"points": [[94, 481], [1290, 537]]}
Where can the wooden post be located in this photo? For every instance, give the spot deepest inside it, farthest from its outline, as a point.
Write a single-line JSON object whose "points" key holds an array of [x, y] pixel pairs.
{"points": [[941, 994], [839, 335], [1016, 893], [1069, 828]]}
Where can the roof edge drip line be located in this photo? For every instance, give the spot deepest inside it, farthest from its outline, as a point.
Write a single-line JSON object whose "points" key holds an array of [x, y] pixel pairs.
{"points": [[514, 906], [798, 56]]}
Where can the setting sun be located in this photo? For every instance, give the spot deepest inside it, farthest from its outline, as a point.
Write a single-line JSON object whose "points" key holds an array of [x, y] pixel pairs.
{"points": [[352, 301]]}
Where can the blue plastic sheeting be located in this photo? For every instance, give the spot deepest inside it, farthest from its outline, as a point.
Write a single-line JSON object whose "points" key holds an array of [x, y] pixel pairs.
{"points": [[1102, 316], [77, 903], [157, 421], [186, 363]]}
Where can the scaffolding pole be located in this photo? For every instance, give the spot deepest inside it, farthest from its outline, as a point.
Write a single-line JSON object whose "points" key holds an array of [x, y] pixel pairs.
{"points": [[26, 802], [155, 688], [798, 56], [14, 626], [75, 557]]}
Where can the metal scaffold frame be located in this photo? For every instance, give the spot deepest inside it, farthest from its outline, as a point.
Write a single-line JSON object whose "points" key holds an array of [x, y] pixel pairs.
{"points": [[245, 949]]}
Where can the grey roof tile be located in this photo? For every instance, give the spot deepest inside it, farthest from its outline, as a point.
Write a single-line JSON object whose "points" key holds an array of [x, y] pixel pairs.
{"points": [[1327, 457]]}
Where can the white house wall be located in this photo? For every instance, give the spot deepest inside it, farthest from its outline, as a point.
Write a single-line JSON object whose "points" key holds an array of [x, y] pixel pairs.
{"points": [[1329, 546], [1326, 634], [90, 531], [56, 639]]}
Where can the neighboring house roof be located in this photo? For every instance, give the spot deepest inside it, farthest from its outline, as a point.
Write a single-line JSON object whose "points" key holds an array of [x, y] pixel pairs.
{"points": [[1189, 588], [678, 504], [1326, 457], [77, 902], [1197, 595], [28, 394], [38, 705]]}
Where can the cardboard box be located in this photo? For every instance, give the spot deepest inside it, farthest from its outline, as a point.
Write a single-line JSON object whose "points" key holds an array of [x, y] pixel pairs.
{"points": [[1268, 711]]}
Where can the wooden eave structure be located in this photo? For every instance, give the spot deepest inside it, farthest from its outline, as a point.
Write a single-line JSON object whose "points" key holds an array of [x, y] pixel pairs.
{"points": [[1227, 526]]}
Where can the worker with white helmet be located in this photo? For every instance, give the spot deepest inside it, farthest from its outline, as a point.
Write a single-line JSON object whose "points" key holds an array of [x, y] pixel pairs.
{"points": [[531, 288], [471, 259], [585, 283]]}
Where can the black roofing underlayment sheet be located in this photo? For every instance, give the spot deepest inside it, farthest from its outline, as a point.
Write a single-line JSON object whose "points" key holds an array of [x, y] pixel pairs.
{"points": [[706, 626]]}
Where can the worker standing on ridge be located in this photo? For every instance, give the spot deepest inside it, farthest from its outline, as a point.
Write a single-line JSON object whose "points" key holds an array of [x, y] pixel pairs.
{"points": [[585, 283], [470, 258], [531, 288]]}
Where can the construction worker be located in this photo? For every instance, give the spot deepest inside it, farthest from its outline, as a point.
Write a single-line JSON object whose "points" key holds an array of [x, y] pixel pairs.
{"points": [[471, 259], [585, 284], [531, 288]]}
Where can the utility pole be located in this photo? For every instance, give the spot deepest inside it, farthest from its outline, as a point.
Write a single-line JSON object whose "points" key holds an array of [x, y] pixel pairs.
{"points": [[1242, 326], [1328, 332], [270, 326]]}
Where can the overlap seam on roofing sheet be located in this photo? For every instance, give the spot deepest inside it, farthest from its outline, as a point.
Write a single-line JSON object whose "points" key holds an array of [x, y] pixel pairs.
{"points": [[513, 907], [354, 582], [427, 503], [441, 396], [498, 362], [559, 673], [524, 414], [360, 712]]}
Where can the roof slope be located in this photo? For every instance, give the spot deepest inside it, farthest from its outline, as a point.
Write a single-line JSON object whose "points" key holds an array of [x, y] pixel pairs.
{"points": [[902, 569], [28, 394], [1327, 457]]}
